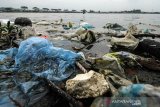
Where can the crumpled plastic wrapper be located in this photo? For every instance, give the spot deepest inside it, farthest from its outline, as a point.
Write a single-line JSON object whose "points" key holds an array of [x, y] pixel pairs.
{"points": [[129, 41]]}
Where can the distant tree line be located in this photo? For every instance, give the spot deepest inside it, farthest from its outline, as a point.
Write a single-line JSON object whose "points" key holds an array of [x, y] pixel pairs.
{"points": [[34, 9], [37, 9]]}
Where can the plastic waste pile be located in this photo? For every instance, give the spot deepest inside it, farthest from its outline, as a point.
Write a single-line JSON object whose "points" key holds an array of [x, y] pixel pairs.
{"points": [[83, 35], [38, 73], [84, 25], [35, 58]]}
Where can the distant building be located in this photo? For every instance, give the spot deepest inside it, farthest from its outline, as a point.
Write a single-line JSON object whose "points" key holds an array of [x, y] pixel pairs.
{"points": [[56, 10], [132, 11], [74, 10], [7, 9], [65, 10], [136, 11], [91, 11]]}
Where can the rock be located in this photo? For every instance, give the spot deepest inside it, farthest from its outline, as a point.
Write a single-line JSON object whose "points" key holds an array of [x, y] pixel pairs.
{"points": [[23, 21], [91, 84], [43, 23]]}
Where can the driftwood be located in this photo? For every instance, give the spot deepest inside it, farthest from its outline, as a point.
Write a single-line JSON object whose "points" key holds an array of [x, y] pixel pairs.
{"points": [[63, 94]]}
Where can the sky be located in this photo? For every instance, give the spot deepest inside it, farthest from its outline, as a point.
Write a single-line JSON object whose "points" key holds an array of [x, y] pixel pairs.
{"points": [[102, 5]]}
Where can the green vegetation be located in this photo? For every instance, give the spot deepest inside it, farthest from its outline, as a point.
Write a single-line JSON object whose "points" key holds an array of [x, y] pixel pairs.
{"points": [[7, 34]]}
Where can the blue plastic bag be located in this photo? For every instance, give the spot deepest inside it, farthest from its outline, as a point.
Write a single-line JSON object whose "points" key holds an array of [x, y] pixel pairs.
{"points": [[39, 56], [11, 53], [6, 56]]}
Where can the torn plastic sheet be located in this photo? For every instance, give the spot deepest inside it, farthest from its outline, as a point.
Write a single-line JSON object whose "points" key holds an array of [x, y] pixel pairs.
{"points": [[21, 90], [115, 62], [109, 62], [9, 53], [40, 57], [5, 101], [129, 41], [27, 86], [6, 58]]}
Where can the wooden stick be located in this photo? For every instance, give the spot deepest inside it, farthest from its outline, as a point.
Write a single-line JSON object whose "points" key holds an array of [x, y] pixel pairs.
{"points": [[136, 77], [63, 94], [81, 67]]}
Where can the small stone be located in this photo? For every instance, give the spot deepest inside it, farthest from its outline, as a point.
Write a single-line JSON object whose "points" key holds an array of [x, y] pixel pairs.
{"points": [[91, 84]]}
